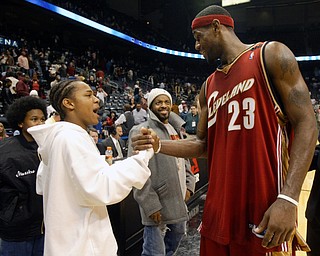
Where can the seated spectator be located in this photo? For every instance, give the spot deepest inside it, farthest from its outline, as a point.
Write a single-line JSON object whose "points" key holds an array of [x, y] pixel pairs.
{"points": [[115, 142], [109, 121], [3, 133]]}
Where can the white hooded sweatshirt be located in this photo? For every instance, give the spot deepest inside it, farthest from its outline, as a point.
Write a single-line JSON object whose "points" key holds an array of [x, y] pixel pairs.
{"points": [[77, 184]]}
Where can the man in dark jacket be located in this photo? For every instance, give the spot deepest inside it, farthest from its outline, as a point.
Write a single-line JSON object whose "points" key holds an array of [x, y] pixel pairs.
{"points": [[21, 210], [95, 136], [115, 142]]}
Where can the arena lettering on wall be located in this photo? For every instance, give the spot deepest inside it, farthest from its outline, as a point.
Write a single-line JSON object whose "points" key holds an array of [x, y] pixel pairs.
{"points": [[8, 42]]}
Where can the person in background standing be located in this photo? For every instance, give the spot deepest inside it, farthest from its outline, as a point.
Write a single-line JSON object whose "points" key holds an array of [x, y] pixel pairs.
{"points": [[139, 114], [192, 120], [21, 209], [23, 62], [22, 87], [126, 120], [162, 199]]}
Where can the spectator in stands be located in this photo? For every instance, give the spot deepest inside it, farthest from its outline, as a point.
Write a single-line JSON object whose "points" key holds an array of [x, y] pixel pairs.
{"points": [[100, 82], [21, 214], [101, 95], [139, 114], [111, 118], [136, 92], [115, 142], [101, 103], [21, 87], [192, 120], [100, 74], [95, 136], [175, 108], [53, 117], [162, 199], [56, 80], [34, 93], [23, 62], [78, 222], [35, 83], [71, 69], [107, 88], [4, 61], [182, 105], [144, 104], [3, 133], [10, 61], [126, 120], [109, 67], [92, 82], [185, 111], [6, 95]]}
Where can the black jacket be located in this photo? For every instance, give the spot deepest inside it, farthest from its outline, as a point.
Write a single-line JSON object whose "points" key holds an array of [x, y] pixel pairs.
{"points": [[108, 142], [21, 212]]}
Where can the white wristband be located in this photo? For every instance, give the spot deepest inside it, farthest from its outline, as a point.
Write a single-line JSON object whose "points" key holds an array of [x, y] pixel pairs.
{"points": [[159, 148], [288, 198]]}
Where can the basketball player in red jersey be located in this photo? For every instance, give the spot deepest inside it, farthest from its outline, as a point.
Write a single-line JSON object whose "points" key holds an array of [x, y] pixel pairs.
{"points": [[256, 114]]}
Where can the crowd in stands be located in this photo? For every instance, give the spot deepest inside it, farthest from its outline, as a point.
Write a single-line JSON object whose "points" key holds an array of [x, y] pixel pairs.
{"points": [[33, 71], [39, 63]]}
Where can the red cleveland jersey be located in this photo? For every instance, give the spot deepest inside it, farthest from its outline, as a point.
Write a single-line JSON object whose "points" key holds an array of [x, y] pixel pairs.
{"points": [[247, 149]]}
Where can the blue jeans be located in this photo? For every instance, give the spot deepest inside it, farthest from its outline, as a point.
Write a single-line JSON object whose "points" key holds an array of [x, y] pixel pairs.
{"points": [[162, 240], [32, 247]]}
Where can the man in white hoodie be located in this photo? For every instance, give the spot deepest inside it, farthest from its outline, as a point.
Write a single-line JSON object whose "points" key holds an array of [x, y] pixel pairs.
{"points": [[75, 181]]}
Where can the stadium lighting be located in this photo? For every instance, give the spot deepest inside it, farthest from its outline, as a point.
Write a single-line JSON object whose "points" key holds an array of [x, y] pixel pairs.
{"points": [[130, 39], [234, 2]]}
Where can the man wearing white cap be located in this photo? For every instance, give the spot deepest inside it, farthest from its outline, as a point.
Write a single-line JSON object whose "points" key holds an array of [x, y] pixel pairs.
{"points": [[162, 199]]}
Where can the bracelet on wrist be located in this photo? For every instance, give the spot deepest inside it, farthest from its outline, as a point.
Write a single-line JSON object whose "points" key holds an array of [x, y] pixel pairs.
{"points": [[288, 198], [159, 148]]}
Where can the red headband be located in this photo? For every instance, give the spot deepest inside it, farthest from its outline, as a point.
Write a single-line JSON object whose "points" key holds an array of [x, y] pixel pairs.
{"points": [[206, 20]]}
